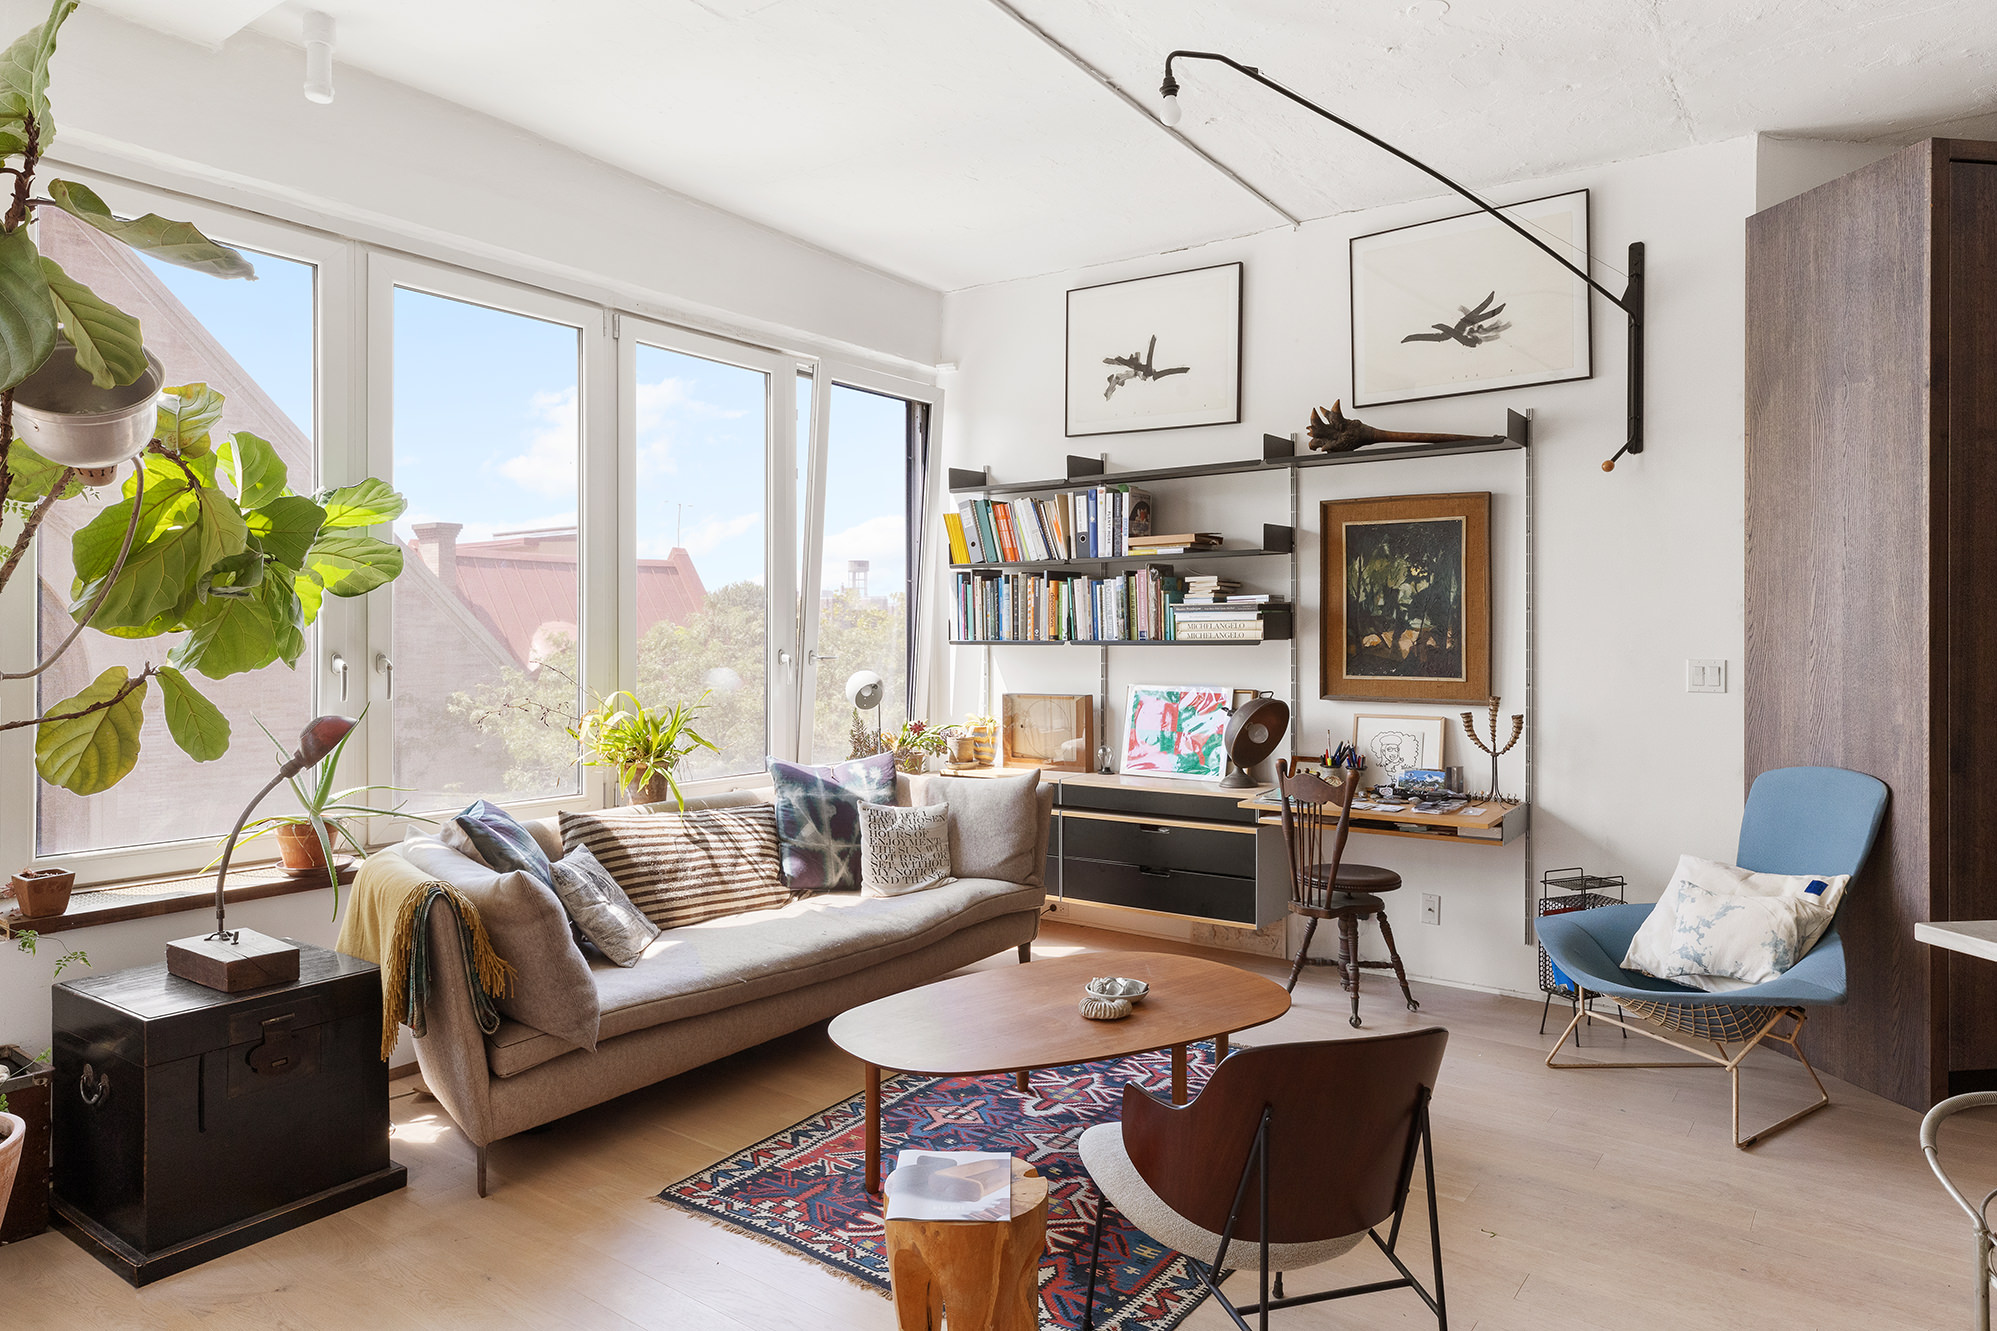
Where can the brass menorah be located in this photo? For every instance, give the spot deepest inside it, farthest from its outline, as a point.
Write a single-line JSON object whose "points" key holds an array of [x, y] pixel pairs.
{"points": [[1470, 729]]}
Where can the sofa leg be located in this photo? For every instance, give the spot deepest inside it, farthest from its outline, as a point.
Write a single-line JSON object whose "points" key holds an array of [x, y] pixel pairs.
{"points": [[1025, 953], [481, 1171]]}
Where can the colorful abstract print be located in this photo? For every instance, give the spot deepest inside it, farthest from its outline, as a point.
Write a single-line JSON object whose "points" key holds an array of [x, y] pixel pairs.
{"points": [[1174, 731], [804, 1188]]}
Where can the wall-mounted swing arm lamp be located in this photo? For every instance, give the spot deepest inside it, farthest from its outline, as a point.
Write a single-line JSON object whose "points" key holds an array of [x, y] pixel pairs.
{"points": [[1630, 302]]}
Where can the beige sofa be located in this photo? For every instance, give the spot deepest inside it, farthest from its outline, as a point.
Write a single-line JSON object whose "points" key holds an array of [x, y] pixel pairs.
{"points": [[707, 990]]}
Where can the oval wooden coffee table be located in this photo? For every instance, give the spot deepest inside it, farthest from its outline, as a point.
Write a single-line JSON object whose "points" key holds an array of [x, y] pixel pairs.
{"points": [[1020, 1018]]}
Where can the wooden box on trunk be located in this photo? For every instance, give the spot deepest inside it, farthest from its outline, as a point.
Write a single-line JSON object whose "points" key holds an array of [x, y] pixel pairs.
{"points": [[190, 1122]]}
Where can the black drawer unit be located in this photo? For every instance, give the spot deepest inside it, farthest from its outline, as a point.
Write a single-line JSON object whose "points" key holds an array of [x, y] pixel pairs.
{"points": [[191, 1122], [1173, 891], [1162, 844]]}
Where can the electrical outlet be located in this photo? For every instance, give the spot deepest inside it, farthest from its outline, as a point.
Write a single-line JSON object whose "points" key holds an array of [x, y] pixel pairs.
{"points": [[1431, 908], [1705, 675]]}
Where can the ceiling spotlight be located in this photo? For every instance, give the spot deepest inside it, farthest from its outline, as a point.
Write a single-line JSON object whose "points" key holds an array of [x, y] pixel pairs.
{"points": [[318, 57]]}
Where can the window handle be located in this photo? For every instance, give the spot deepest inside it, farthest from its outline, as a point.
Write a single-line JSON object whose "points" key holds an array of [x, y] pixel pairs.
{"points": [[340, 669], [815, 656], [384, 666]]}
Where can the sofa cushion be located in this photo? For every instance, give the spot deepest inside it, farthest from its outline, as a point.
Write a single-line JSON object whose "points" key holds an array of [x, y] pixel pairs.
{"points": [[501, 842], [682, 868], [720, 963], [552, 990], [602, 914], [903, 850], [818, 818], [994, 824]]}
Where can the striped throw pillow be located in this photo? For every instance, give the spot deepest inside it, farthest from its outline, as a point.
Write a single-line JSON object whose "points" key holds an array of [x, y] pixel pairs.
{"points": [[682, 868]]}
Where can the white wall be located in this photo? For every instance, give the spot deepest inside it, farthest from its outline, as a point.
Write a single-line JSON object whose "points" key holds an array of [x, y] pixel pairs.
{"points": [[393, 166], [1636, 570], [1785, 167]]}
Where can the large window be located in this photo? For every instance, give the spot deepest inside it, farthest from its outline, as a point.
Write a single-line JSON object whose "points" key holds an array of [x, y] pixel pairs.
{"points": [[254, 343], [595, 503], [487, 657]]}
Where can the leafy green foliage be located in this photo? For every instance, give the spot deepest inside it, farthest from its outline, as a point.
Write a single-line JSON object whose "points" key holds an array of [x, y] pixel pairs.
{"points": [[93, 741], [24, 83], [33, 475], [641, 744], [349, 565], [253, 467], [230, 635], [27, 309], [367, 504], [186, 413], [196, 724], [170, 242], [285, 528], [107, 342]]}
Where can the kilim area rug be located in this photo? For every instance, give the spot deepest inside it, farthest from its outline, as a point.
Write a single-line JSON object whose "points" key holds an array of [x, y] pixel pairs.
{"points": [[803, 1189]]}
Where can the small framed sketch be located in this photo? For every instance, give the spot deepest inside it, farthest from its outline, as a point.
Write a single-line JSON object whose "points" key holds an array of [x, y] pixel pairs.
{"points": [[1405, 588], [1467, 305], [1155, 353], [1175, 730], [1392, 745], [1055, 732]]}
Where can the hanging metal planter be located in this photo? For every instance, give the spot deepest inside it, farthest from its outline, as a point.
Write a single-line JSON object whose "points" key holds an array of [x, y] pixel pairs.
{"points": [[72, 422]]}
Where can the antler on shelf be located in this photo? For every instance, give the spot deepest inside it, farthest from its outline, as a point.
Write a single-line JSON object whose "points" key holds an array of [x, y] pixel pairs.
{"points": [[1335, 432]]}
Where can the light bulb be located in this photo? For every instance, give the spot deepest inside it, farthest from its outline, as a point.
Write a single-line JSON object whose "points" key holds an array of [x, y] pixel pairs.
{"points": [[1169, 113]]}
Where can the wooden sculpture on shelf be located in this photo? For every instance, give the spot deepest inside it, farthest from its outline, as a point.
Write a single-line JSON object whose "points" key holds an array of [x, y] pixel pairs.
{"points": [[1492, 748], [1333, 432]]}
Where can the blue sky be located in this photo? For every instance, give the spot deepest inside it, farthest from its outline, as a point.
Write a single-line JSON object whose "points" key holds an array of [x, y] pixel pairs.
{"points": [[485, 427]]}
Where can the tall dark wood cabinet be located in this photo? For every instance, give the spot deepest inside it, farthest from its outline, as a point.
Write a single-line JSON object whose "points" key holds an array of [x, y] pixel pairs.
{"points": [[1872, 577]]}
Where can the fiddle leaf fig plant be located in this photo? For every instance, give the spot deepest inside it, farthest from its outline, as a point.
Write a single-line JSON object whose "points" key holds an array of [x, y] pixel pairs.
{"points": [[207, 541]]}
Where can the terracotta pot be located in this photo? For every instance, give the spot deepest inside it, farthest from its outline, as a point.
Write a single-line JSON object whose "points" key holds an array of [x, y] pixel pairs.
{"points": [[13, 1137], [655, 791], [298, 845], [43, 891]]}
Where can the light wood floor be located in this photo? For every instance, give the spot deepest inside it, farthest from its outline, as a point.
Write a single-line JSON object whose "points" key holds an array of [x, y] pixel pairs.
{"points": [[1569, 1200]]}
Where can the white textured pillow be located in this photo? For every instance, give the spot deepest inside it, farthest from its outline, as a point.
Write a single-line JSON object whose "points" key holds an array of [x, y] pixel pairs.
{"points": [[1752, 939], [1812, 901], [903, 850]]}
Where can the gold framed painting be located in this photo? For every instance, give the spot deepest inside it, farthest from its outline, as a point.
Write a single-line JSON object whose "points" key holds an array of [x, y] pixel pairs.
{"points": [[1405, 592], [1055, 732]]}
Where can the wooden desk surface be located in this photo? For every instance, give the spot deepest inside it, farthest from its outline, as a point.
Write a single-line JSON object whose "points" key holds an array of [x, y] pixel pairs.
{"points": [[1490, 814], [1975, 938], [1162, 785]]}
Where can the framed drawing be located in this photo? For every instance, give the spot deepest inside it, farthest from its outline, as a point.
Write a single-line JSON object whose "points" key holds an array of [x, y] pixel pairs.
{"points": [[1467, 305], [1392, 745], [1174, 730], [1155, 353], [1055, 732], [1405, 588]]}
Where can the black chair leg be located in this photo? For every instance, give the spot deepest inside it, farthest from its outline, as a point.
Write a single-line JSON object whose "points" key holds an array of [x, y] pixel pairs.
{"points": [[1545, 1008], [1303, 951], [1348, 957], [1394, 953], [1095, 1251]]}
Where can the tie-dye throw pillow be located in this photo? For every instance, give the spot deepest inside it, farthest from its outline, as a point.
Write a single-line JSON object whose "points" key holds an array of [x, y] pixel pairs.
{"points": [[818, 819]]}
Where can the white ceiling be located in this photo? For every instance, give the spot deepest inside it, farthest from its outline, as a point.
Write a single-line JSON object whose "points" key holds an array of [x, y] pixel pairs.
{"points": [[940, 140]]}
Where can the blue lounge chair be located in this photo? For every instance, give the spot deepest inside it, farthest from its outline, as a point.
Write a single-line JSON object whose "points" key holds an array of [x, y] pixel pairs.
{"points": [[1798, 820]]}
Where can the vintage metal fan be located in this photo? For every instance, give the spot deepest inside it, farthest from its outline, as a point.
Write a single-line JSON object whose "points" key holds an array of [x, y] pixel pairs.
{"points": [[1253, 733]]}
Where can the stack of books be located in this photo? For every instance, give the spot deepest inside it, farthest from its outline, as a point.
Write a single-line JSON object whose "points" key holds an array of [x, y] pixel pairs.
{"points": [[1210, 588], [1229, 617], [1103, 522], [1179, 543]]}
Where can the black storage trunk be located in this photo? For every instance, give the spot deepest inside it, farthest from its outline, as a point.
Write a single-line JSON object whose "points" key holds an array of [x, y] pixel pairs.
{"points": [[190, 1122]]}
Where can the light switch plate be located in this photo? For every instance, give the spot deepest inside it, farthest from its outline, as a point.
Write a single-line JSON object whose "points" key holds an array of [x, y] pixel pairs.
{"points": [[1431, 908], [1705, 675]]}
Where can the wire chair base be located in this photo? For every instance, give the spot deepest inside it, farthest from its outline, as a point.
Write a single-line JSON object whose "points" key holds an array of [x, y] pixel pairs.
{"points": [[1721, 1025]]}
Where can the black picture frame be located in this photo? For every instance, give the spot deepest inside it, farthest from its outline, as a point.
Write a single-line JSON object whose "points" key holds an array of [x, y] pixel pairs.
{"points": [[1140, 296], [1530, 259]]}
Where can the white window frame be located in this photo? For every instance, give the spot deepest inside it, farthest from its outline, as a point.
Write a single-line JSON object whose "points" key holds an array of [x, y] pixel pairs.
{"points": [[596, 515], [826, 375], [334, 419]]}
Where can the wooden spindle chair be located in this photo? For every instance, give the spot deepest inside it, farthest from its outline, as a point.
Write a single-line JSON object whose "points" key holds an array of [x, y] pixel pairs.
{"points": [[1317, 814]]}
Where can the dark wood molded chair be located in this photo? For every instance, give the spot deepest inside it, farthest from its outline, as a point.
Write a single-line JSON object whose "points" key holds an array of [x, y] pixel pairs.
{"points": [[1291, 1154], [1317, 815]]}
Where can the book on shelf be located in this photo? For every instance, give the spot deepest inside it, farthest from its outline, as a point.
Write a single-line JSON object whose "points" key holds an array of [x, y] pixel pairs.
{"points": [[953, 525], [1178, 543], [1062, 607], [1137, 508], [1234, 598], [1250, 631]]}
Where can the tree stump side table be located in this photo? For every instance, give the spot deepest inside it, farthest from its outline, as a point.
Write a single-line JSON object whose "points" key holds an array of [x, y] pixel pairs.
{"points": [[987, 1273]]}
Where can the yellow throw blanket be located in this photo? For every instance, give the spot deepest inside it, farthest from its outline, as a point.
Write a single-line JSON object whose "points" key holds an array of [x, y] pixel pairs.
{"points": [[387, 922]]}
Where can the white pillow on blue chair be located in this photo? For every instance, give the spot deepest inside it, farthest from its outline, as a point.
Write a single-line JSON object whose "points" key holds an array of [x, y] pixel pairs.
{"points": [[1719, 927]]}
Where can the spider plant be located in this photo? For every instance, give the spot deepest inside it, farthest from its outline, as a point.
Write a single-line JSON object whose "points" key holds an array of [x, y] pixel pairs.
{"points": [[328, 812], [643, 745]]}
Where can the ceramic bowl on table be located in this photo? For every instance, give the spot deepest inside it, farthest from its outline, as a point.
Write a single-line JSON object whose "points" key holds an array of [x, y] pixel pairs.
{"points": [[1117, 986]]}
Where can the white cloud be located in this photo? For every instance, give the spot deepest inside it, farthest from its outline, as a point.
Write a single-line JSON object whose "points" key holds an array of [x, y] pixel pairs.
{"points": [[664, 406], [712, 533], [549, 464], [883, 540]]}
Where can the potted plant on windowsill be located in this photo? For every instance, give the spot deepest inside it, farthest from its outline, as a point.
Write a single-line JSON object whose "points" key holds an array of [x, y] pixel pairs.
{"points": [[643, 745], [307, 840]]}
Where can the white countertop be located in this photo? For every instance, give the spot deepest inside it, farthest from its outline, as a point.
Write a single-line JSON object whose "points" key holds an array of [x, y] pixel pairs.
{"points": [[1976, 938]]}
